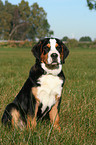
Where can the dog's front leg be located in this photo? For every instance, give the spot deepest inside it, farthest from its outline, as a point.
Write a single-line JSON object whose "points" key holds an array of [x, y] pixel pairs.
{"points": [[31, 121], [54, 116]]}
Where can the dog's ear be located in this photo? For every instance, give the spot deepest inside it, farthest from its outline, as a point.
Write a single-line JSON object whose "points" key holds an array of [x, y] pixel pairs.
{"points": [[36, 50], [64, 50], [64, 53]]}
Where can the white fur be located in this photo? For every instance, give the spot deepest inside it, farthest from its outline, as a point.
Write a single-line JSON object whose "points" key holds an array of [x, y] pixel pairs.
{"points": [[51, 86], [53, 50], [50, 71]]}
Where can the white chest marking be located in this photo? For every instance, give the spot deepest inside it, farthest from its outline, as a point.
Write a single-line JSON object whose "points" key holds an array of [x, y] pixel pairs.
{"points": [[51, 86]]}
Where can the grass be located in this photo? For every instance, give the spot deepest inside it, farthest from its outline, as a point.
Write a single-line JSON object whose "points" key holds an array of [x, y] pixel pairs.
{"points": [[78, 106]]}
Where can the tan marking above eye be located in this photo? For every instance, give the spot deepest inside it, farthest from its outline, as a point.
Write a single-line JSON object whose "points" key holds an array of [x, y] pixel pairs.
{"points": [[48, 45], [56, 45]]}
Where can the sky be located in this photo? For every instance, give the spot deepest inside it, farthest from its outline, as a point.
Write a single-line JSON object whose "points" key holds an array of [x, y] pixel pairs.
{"points": [[70, 18]]}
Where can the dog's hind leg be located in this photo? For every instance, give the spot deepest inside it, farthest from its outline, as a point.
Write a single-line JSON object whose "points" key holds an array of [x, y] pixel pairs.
{"points": [[11, 116]]}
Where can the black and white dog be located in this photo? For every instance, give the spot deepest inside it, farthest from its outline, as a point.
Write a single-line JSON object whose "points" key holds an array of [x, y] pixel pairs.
{"points": [[42, 90]]}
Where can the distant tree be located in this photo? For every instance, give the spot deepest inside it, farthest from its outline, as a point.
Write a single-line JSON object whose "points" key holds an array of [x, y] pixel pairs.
{"points": [[86, 38], [39, 26], [72, 43], [6, 14], [1, 11], [15, 33], [20, 22], [91, 4], [1, 6], [65, 38], [50, 33]]}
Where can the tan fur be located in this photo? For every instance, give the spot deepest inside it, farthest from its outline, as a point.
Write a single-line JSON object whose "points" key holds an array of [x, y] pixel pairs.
{"points": [[44, 58], [56, 45], [31, 122], [15, 117], [34, 91], [54, 116], [62, 54], [48, 45]]}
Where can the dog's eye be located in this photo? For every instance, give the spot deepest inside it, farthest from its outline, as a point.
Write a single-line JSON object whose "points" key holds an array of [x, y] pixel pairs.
{"points": [[46, 49], [59, 48]]}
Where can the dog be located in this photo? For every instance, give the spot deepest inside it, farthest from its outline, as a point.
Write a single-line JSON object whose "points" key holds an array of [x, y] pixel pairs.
{"points": [[41, 93]]}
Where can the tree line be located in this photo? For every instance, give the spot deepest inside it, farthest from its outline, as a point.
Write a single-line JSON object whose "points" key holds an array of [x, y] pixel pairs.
{"points": [[21, 22], [82, 39], [83, 42]]}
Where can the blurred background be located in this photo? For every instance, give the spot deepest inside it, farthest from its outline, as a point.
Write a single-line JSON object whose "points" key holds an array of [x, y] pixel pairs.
{"points": [[32, 20]]}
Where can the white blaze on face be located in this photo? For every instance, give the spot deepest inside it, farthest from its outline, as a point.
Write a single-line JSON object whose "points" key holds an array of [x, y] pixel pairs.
{"points": [[53, 50], [53, 44]]}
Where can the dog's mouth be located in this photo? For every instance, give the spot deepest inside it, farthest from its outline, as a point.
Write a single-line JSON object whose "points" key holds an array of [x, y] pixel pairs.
{"points": [[53, 65]]}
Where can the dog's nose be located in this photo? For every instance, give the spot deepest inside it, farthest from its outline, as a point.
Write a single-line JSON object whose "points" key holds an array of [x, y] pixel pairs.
{"points": [[54, 55]]}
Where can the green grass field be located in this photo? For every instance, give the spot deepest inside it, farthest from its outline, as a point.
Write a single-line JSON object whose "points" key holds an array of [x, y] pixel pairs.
{"points": [[78, 106]]}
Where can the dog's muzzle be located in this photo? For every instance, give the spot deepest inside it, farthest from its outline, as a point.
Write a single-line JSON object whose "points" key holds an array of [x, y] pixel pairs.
{"points": [[54, 57]]}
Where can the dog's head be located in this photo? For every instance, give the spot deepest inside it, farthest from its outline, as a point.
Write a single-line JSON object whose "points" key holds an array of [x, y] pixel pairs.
{"points": [[51, 53]]}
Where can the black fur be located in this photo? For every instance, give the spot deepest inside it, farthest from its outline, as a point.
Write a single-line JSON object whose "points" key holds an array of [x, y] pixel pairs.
{"points": [[43, 42], [25, 101]]}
